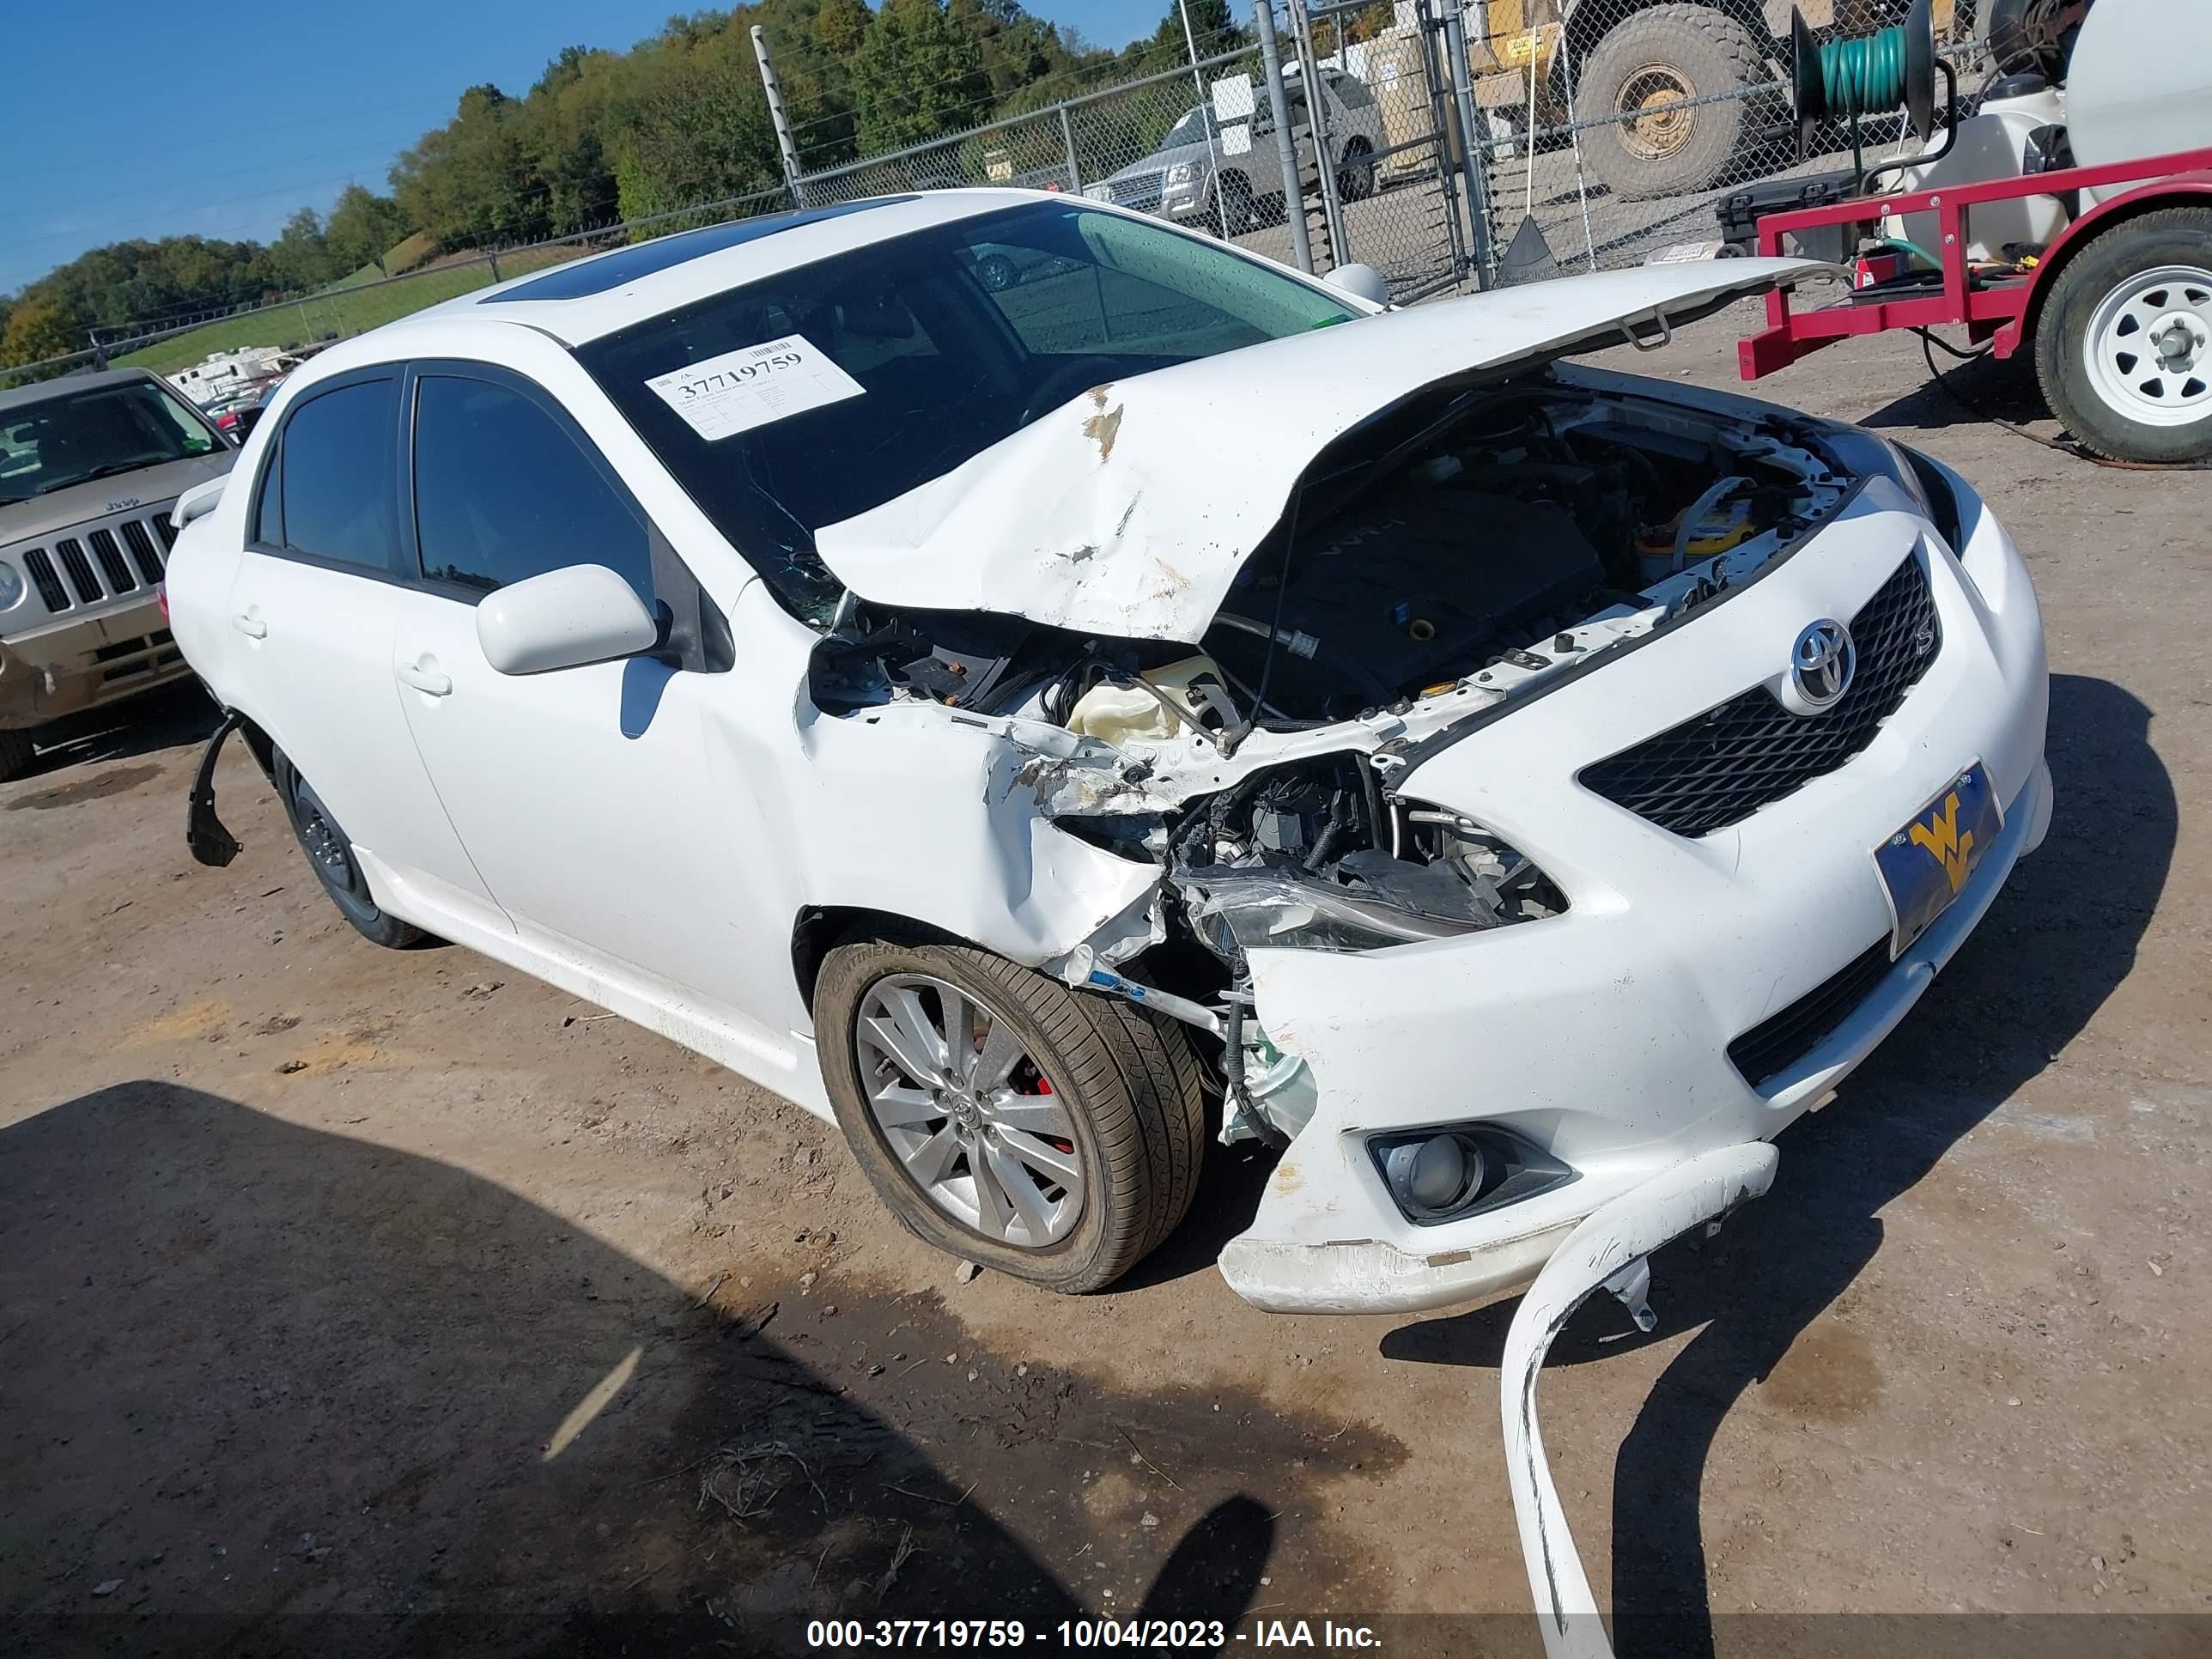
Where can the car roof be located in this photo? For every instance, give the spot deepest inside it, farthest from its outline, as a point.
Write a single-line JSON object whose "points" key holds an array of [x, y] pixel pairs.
{"points": [[39, 391], [592, 297]]}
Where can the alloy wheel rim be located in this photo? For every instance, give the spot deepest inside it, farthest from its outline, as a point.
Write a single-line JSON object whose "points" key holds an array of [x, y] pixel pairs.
{"points": [[1654, 137], [970, 1116], [2150, 346]]}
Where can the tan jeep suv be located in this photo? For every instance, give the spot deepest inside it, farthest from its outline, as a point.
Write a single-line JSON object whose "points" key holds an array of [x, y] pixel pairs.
{"points": [[90, 467]]}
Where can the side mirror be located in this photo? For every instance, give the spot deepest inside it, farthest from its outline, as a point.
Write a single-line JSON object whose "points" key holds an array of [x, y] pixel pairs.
{"points": [[248, 418], [1363, 281], [563, 619]]}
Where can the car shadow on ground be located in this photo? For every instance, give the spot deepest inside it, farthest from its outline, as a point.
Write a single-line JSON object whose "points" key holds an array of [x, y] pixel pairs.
{"points": [[1968, 395], [265, 1390], [2050, 951], [168, 717]]}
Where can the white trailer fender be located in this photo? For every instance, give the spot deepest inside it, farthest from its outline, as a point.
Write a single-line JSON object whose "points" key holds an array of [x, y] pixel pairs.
{"points": [[1610, 1244]]}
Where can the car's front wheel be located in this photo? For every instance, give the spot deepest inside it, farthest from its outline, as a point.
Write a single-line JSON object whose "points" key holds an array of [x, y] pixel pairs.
{"points": [[16, 755], [1003, 1117], [330, 856]]}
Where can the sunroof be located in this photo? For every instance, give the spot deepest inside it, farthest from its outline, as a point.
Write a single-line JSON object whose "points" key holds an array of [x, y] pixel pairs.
{"points": [[611, 270]]}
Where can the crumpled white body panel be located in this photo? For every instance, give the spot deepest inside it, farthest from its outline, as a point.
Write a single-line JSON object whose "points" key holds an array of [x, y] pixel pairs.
{"points": [[1129, 510]]}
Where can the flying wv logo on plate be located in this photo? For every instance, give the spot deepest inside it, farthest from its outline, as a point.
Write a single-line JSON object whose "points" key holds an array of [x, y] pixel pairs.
{"points": [[1945, 843], [1929, 862]]}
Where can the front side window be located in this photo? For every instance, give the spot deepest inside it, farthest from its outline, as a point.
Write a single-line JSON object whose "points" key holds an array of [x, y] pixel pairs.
{"points": [[339, 484], [77, 436], [955, 337], [503, 492]]}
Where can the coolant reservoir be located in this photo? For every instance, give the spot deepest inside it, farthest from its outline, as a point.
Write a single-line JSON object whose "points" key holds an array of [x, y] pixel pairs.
{"points": [[1118, 713]]}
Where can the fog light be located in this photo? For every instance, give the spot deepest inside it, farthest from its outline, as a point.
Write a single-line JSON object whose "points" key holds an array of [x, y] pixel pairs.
{"points": [[1433, 1174], [1442, 1175]]}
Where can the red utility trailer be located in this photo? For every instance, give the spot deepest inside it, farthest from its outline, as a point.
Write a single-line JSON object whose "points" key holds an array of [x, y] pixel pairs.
{"points": [[2119, 306]]}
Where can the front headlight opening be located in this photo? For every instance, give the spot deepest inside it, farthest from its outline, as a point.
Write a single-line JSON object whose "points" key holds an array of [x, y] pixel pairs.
{"points": [[1314, 857], [1449, 1173], [1179, 174], [11, 585]]}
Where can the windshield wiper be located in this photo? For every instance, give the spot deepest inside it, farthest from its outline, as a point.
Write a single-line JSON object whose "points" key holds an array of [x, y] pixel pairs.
{"points": [[110, 471]]}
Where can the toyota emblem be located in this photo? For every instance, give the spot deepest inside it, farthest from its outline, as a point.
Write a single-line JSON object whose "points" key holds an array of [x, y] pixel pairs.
{"points": [[1822, 664]]}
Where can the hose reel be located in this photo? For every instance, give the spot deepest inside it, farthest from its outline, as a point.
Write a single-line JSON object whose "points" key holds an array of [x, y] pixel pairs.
{"points": [[1848, 77]]}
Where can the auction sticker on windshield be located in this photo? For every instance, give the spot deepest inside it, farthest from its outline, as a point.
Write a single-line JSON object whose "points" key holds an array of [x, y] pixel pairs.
{"points": [[753, 386]]}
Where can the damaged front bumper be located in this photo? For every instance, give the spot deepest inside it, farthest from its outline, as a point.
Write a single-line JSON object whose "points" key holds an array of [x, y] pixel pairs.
{"points": [[1601, 1037], [1608, 1251], [80, 663]]}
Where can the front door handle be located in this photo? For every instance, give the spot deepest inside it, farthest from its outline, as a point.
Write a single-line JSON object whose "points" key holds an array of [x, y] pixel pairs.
{"points": [[428, 683], [251, 626]]}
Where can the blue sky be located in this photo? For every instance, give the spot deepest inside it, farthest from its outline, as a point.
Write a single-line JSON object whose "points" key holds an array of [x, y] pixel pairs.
{"points": [[252, 110]]}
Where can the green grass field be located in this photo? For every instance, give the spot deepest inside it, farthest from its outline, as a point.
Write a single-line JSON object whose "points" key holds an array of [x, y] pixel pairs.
{"points": [[344, 311]]}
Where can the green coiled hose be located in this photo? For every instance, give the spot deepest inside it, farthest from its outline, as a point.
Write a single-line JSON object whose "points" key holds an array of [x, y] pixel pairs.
{"points": [[1863, 76]]}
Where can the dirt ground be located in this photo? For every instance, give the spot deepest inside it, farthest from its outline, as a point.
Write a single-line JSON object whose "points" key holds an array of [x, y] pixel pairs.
{"points": [[355, 1301]]}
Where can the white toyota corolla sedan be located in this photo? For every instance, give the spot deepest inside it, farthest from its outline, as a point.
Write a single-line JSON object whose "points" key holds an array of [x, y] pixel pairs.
{"points": [[1048, 720]]}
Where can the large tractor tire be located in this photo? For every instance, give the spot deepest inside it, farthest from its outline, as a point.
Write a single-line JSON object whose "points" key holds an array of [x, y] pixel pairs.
{"points": [[1637, 79]]}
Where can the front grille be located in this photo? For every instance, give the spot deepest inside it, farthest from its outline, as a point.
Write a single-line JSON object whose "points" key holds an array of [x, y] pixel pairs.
{"points": [[109, 552], [43, 578], [124, 556], [70, 552], [143, 554], [1141, 192], [1780, 1041], [1724, 765]]}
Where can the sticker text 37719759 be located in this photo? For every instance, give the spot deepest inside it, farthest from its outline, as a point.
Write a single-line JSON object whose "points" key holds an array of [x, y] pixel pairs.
{"points": [[753, 386]]}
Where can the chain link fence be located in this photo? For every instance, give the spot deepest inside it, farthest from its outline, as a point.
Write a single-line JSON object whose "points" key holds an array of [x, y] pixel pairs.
{"points": [[1616, 128], [1619, 127]]}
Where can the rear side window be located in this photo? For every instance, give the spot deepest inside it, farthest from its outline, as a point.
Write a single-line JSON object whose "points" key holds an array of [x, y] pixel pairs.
{"points": [[503, 492], [336, 490]]}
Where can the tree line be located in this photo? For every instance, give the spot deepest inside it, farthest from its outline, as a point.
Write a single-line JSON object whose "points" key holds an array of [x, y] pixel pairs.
{"points": [[678, 119]]}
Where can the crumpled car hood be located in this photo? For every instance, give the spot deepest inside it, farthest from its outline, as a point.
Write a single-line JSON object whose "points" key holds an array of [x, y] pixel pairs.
{"points": [[1128, 510]]}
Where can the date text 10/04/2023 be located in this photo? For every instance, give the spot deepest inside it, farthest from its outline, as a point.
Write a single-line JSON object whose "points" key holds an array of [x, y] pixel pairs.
{"points": [[1085, 1634]]}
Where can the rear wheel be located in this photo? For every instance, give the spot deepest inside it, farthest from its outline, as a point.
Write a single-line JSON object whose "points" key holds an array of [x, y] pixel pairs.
{"points": [[15, 752], [1002, 1117], [1235, 213], [330, 856], [2124, 347], [1355, 177], [1637, 80]]}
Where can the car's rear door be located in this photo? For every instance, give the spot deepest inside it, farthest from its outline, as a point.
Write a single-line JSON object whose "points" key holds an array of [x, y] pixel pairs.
{"points": [[312, 604]]}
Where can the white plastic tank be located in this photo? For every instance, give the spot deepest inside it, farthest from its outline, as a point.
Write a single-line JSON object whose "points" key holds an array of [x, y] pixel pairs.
{"points": [[2140, 82], [1990, 146]]}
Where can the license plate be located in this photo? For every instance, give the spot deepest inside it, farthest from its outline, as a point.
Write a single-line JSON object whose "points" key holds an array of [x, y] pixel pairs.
{"points": [[1925, 865]]}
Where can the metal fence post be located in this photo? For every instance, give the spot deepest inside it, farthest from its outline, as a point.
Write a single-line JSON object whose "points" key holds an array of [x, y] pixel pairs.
{"points": [[1473, 162], [1074, 166], [1286, 149], [776, 114], [1316, 103]]}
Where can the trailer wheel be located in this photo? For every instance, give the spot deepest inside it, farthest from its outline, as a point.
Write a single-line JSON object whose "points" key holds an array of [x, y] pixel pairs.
{"points": [[2123, 348], [1637, 79]]}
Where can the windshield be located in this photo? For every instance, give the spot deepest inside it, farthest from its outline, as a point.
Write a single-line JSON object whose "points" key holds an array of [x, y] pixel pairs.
{"points": [[1194, 128], [77, 436], [897, 362]]}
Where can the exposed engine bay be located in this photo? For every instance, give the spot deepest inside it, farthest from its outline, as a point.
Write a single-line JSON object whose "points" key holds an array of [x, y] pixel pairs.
{"points": [[1447, 554]]}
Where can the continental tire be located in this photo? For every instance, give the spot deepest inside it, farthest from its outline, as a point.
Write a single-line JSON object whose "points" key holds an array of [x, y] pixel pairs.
{"points": [[1083, 1115]]}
